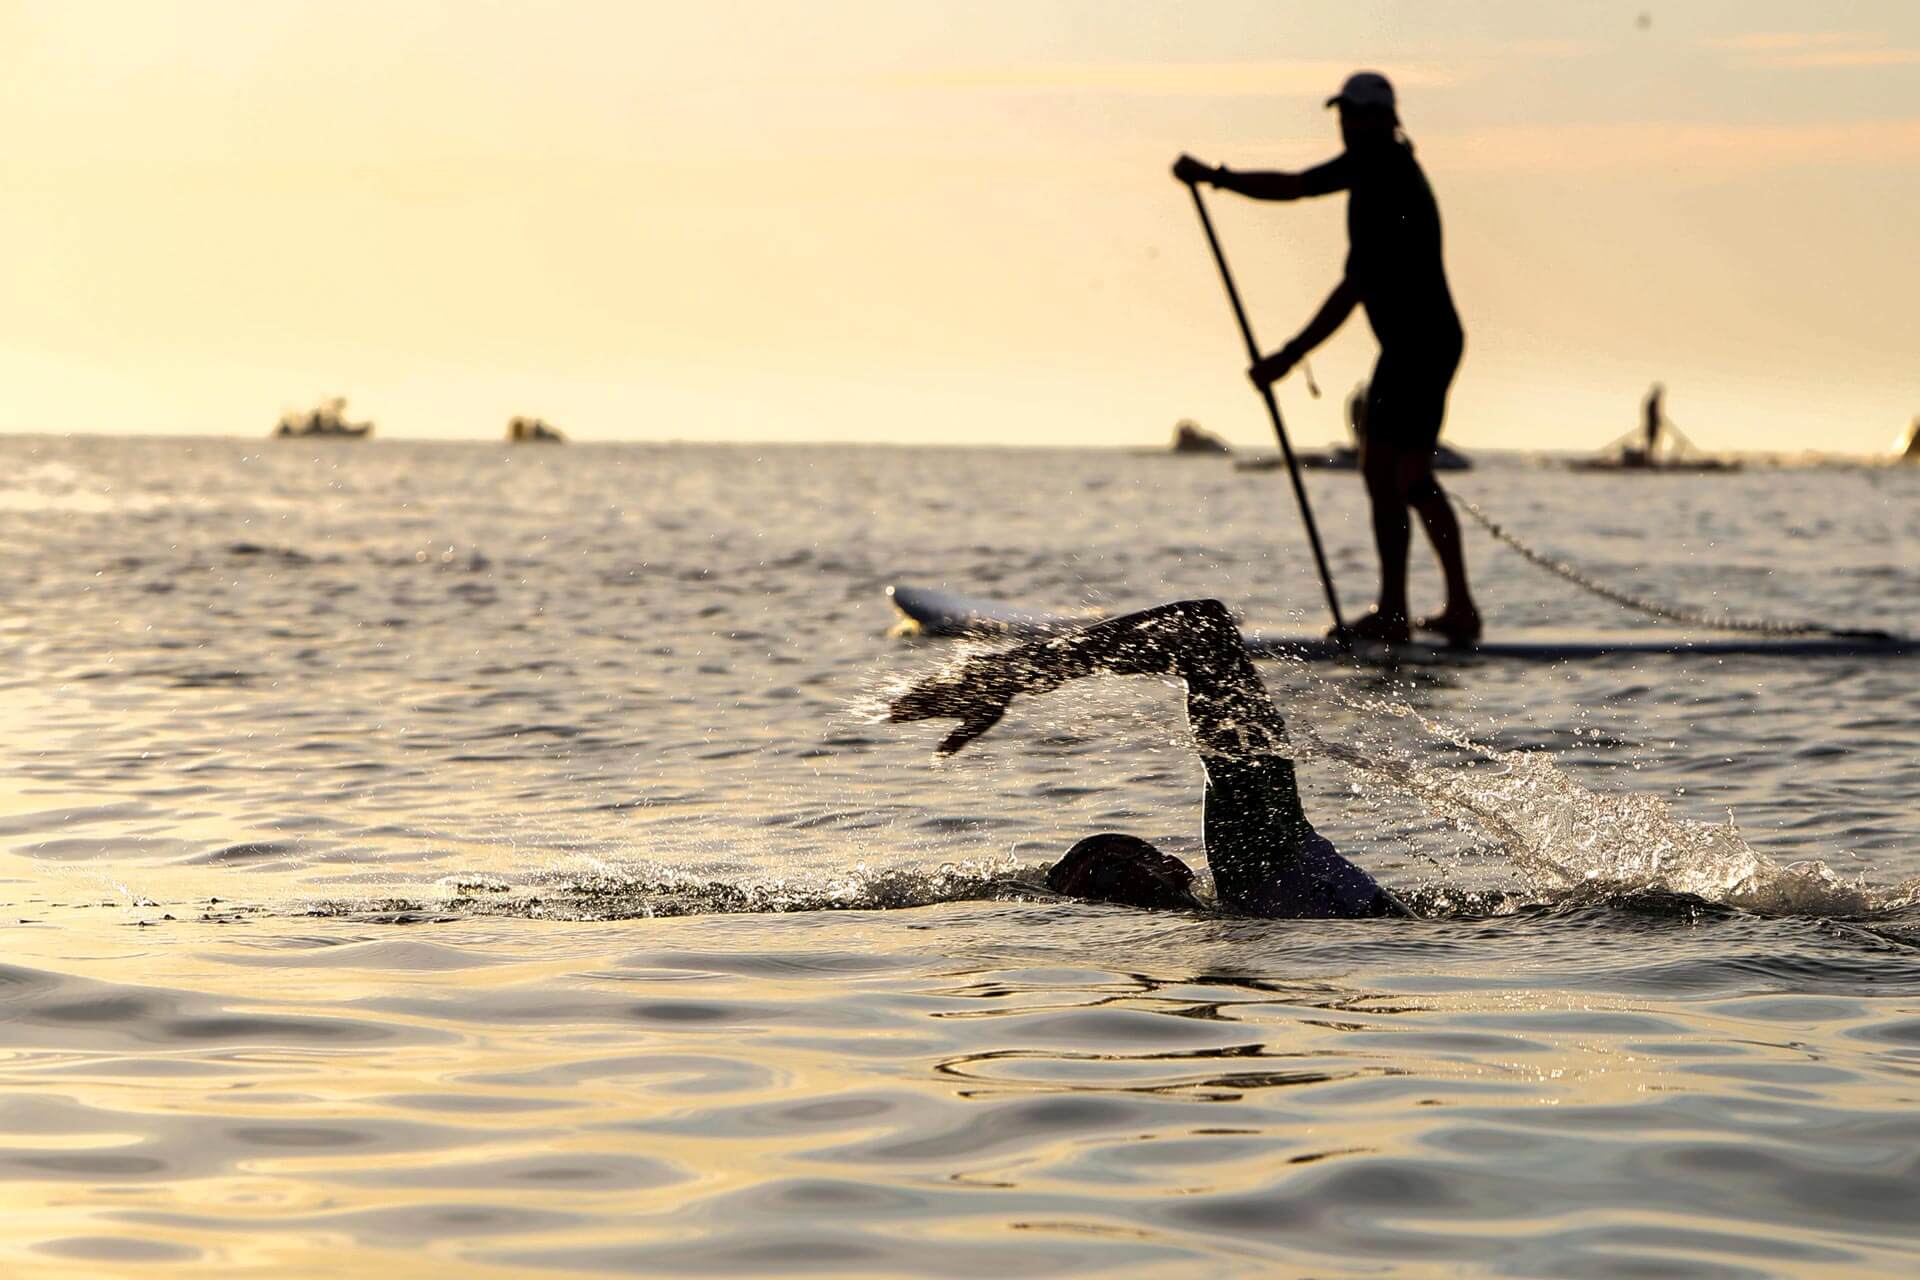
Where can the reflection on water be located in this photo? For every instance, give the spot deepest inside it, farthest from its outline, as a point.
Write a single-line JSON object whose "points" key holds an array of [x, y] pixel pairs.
{"points": [[1565, 1095], [425, 858]]}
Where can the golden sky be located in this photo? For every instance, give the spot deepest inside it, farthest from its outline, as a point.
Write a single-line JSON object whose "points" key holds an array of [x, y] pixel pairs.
{"points": [[940, 220]]}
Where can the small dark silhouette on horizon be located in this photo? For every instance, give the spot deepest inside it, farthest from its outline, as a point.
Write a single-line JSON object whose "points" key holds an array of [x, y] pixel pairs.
{"points": [[1190, 437], [1655, 445], [533, 431], [328, 419], [1348, 456], [1395, 273]]}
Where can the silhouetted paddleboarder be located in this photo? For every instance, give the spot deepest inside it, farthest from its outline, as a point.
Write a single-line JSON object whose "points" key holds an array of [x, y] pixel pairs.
{"points": [[1394, 270], [1267, 859]]}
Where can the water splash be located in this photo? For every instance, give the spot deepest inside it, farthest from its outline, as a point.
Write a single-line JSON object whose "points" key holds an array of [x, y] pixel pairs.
{"points": [[1561, 836], [1564, 840], [659, 893]]}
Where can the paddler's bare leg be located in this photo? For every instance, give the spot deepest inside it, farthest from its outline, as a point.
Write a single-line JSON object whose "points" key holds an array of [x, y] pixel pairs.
{"points": [[1459, 622], [1389, 475]]}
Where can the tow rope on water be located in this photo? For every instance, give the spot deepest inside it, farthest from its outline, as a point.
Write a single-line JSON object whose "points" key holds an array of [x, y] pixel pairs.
{"points": [[1670, 613]]}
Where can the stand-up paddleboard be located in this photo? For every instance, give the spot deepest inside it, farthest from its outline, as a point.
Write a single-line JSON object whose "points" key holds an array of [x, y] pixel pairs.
{"points": [[942, 613]]}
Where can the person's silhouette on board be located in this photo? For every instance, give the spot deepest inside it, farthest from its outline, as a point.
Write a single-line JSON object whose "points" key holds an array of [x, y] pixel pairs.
{"points": [[1394, 271], [1654, 416]]}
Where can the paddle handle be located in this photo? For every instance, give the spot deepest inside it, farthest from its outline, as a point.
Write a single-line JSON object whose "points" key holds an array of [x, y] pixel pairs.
{"points": [[1273, 412]]}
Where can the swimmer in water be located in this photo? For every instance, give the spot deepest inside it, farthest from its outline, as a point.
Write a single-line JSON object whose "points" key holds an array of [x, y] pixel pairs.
{"points": [[1267, 859]]}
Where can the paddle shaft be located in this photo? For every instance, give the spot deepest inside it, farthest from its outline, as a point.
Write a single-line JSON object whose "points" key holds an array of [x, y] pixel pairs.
{"points": [[1273, 411]]}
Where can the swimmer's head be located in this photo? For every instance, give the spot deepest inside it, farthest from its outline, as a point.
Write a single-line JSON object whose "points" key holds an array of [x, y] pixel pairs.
{"points": [[1111, 867]]}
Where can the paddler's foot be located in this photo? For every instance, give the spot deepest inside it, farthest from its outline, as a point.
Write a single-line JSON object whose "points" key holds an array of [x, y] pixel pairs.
{"points": [[1459, 627], [1383, 628]]}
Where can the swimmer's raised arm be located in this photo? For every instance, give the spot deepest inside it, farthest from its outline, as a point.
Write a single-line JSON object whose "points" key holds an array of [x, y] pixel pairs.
{"points": [[1266, 857], [1192, 640]]}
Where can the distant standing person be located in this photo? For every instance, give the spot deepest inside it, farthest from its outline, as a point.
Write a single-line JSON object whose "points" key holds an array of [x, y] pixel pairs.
{"points": [[1394, 270], [1654, 417]]}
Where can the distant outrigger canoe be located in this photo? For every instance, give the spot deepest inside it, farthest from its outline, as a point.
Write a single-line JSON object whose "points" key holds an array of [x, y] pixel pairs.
{"points": [[1631, 459], [1641, 449]]}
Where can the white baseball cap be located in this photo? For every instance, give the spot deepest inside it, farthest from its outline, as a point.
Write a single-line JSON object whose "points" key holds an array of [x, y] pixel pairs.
{"points": [[1364, 89]]}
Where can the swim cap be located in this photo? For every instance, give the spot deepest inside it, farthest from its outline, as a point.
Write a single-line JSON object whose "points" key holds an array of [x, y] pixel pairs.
{"points": [[1112, 867]]}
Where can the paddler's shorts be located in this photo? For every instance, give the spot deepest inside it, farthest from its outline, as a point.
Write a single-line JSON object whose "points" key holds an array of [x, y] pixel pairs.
{"points": [[1407, 399]]}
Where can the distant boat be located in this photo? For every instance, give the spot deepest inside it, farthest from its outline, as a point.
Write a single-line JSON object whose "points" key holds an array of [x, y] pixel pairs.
{"points": [[1656, 445], [1630, 459], [1190, 437], [1345, 457], [533, 431], [329, 419]]}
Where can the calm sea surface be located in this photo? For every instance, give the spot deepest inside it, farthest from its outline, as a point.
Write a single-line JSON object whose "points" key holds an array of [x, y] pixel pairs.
{"points": [[453, 860]]}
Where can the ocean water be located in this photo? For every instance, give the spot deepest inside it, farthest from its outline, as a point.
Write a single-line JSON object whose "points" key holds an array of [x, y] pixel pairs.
{"points": [[421, 859]]}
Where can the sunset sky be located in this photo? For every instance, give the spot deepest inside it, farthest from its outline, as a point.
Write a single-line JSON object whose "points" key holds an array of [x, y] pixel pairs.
{"points": [[931, 221]]}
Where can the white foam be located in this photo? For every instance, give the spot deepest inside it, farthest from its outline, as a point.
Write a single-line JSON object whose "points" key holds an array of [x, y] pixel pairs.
{"points": [[1560, 835]]}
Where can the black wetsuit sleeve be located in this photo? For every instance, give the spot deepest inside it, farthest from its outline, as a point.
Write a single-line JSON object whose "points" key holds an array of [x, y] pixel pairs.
{"points": [[1265, 855]]}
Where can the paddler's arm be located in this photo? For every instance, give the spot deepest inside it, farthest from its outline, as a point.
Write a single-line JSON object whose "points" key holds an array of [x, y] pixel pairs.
{"points": [[1332, 314], [1271, 184]]}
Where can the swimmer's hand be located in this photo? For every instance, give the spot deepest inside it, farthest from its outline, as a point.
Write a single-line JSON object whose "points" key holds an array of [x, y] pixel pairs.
{"points": [[977, 697]]}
